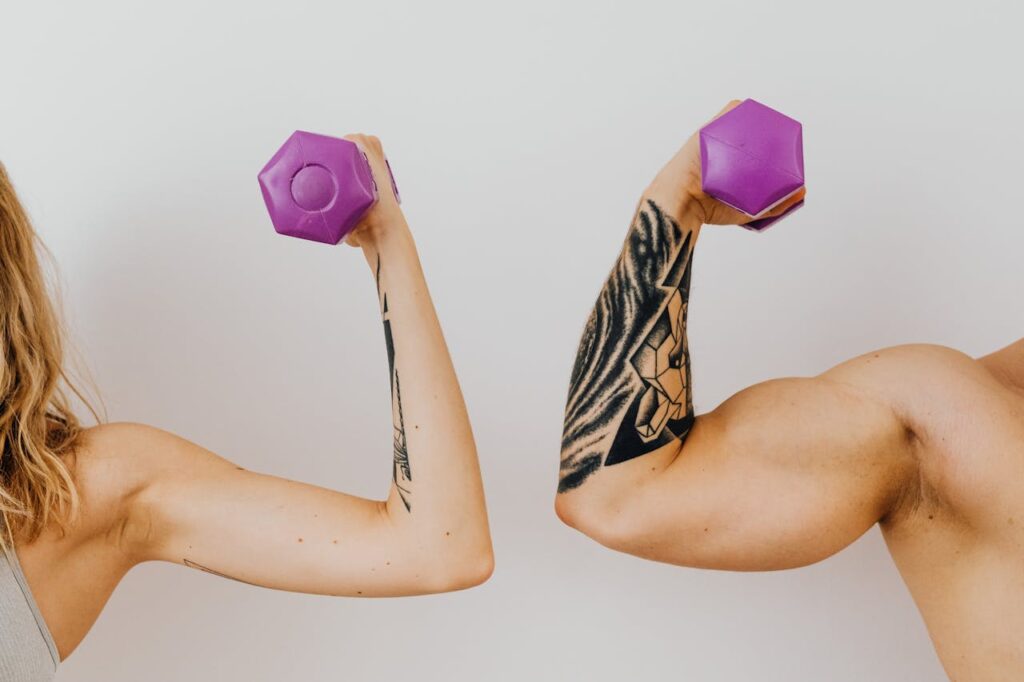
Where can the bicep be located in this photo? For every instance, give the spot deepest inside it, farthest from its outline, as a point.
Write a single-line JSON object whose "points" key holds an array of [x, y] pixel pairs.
{"points": [[781, 475], [209, 514]]}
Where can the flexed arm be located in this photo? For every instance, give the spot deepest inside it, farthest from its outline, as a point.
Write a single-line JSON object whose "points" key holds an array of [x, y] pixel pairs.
{"points": [[430, 534], [782, 474], [630, 391]]}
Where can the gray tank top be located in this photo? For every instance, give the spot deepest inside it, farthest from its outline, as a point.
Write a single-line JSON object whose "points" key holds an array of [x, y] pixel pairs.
{"points": [[27, 651]]}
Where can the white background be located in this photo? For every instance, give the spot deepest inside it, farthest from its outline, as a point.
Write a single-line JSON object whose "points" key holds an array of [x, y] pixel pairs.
{"points": [[521, 134]]}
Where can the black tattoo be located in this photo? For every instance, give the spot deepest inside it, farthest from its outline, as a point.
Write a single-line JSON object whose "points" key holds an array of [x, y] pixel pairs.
{"points": [[401, 473], [204, 569], [630, 388]]}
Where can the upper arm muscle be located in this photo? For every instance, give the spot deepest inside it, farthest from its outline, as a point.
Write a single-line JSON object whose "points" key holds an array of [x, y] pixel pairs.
{"points": [[205, 512], [782, 474]]}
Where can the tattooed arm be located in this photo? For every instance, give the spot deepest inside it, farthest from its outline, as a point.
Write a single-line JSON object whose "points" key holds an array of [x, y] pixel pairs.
{"points": [[782, 474], [630, 388], [429, 535]]}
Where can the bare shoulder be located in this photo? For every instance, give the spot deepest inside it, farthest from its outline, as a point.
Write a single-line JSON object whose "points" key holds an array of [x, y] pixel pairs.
{"points": [[115, 463], [119, 459], [910, 377], [967, 423], [120, 469], [117, 455], [110, 459], [110, 463], [905, 360], [940, 395], [130, 443]]}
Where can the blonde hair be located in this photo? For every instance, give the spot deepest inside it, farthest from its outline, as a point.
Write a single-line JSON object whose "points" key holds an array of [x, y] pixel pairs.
{"points": [[38, 429]]}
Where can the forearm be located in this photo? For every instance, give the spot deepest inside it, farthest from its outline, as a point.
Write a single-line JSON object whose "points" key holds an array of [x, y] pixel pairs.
{"points": [[437, 491], [630, 391]]}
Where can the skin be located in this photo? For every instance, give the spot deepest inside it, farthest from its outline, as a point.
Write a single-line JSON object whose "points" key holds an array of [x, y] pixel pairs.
{"points": [[148, 495], [923, 440]]}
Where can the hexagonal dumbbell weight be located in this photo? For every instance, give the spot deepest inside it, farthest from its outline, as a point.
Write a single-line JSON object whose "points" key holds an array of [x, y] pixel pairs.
{"points": [[752, 159], [318, 187]]}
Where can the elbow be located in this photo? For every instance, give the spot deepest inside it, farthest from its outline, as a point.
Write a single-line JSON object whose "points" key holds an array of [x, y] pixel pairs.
{"points": [[463, 570], [474, 571], [443, 560], [607, 522], [629, 522], [570, 512], [602, 507], [460, 568]]}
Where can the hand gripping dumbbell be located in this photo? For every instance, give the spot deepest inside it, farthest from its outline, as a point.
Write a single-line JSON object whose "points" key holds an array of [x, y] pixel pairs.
{"points": [[752, 159], [318, 187]]}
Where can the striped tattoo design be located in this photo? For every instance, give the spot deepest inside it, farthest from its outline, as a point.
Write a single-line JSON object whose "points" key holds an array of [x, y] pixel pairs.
{"points": [[629, 393]]}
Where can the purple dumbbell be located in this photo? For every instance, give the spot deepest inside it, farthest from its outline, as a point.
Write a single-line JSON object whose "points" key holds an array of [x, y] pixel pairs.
{"points": [[752, 159], [318, 187]]}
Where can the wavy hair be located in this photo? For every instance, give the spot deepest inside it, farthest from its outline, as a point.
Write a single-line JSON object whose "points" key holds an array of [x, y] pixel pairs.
{"points": [[38, 427]]}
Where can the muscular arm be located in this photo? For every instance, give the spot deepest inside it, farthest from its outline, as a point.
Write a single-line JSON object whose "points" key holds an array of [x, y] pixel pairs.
{"points": [[782, 474], [429, 535]]}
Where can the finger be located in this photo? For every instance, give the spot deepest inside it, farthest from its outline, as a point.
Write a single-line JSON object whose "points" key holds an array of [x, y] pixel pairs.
{"points": [[352, 238], [727, 108], [784, 206], [721, 214], [781, 208], [372, 147]]}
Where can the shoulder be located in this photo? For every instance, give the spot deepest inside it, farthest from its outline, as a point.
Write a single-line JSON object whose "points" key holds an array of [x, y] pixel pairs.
{"points": [[929, 390], [119, 454], [113, 466], [128, 476], [958, 413], [121, 459], [909, 377], [110, 458], [138, 446], [906, 360], [875, 395]]}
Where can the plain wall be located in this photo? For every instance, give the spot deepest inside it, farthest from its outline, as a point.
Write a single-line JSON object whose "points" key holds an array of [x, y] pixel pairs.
{"points": [[521, 134]]}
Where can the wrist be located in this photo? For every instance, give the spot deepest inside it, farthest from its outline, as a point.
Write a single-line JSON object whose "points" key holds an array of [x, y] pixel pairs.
{"points": [[679, 197], [380, 237]]}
